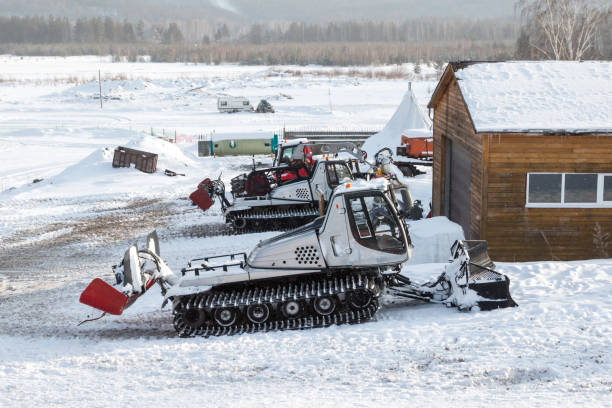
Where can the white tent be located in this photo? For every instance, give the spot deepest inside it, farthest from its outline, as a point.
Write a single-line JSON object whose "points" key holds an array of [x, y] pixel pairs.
{"points": [[407, 116]]}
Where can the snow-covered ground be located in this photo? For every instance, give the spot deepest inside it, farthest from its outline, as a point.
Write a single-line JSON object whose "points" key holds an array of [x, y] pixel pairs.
{"points": [[59, 233]]}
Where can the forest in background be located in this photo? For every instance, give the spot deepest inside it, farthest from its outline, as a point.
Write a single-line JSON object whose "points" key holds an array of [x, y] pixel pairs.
{"points": [[547, 29], [334, 43]]}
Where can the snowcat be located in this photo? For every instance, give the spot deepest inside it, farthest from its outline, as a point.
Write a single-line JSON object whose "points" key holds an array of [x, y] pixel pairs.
{"points": [[287, 194], [298, 186], [335, 270]]}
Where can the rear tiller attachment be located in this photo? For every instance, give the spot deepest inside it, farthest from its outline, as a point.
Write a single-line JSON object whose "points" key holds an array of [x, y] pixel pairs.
{"points": [[468, 281]]}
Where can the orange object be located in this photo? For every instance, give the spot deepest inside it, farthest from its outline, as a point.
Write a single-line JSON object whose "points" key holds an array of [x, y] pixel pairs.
{"points": [[417, 147]]}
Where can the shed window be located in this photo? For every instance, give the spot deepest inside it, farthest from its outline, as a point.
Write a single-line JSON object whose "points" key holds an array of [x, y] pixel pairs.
{"points": [[581, 188], [607, 188], [545, 188], [569, 190]]}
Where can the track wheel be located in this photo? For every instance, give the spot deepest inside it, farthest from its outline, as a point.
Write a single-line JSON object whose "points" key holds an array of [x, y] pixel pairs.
{"points": [[226, 316], [360, 299], [291, 309], [258, 313], [239, 223], [324, 305], [194, 318]]}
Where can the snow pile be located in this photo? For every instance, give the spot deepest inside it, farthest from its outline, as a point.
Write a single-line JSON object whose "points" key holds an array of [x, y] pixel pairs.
{"points": [[549, 95], [95, 174], [99, 163], [113, 89], [432, 239], [169, 155], [407, 116]]}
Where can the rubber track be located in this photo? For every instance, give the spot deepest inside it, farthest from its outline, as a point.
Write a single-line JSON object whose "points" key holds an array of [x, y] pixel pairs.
{"points": [[272, 214], [278, 294], [272, 219]]}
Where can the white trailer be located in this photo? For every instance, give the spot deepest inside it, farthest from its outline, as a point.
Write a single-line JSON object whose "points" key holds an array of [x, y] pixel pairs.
{"points": [[234, 104]]}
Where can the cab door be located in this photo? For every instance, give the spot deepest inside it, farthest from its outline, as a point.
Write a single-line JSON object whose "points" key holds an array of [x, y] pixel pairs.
{"points": [[334, 238]]}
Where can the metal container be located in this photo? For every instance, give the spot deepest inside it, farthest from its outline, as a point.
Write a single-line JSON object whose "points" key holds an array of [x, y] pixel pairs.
{"points": [[237, 147], [143, 161]]}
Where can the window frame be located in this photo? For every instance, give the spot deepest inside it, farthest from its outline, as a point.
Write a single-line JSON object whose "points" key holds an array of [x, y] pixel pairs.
{"points": [[333, 165], [600, 203], [371, 242]]}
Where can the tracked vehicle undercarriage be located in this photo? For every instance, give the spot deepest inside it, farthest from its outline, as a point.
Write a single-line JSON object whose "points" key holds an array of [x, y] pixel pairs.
{"points": [[316, 301]]}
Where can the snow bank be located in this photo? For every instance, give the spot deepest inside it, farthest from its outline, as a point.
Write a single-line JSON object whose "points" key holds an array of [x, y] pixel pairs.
{"points": [[169, 154], [99, 163], [95, 174], [407, 116], [432, 239], [549, 95]]}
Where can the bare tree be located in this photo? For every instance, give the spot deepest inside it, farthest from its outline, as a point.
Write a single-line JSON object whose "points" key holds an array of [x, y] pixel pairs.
{"points": [[564, 29]]}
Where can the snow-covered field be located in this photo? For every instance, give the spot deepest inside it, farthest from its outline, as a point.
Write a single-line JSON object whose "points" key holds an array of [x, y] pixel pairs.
{"points": [[59, 233]]}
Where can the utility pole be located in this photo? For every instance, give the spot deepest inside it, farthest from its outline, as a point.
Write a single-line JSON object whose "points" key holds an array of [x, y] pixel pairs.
{"points": [[100, 85], [329, 96]]}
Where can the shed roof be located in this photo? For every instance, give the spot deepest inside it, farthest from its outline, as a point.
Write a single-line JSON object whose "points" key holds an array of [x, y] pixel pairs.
{"points": [[543, 96]]}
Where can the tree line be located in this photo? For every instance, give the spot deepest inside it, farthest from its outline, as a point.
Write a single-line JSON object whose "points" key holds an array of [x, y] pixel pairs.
{"points": [[338, 43], [54, 30], [95, 30]]}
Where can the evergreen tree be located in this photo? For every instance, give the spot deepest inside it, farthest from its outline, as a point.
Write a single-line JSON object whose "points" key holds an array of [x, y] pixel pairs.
{"points": [[523, 48], [140, 27], [128, 32], [172, 35], [109, 29]]}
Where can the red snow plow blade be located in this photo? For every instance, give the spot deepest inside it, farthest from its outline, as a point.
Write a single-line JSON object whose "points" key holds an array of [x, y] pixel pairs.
{"points": [[201, 197], [103, 296]]}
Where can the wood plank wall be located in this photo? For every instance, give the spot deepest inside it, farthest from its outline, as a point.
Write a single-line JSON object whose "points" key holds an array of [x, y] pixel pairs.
{"points": [[452, 120], [516, 233]]}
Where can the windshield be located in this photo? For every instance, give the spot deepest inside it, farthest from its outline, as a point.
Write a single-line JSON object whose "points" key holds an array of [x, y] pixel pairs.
{"points": [[374, 224]]}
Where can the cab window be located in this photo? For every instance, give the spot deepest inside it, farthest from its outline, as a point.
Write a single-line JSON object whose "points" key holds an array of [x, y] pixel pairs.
{"points": [[374, 225], [286, 155], [337, 173]]}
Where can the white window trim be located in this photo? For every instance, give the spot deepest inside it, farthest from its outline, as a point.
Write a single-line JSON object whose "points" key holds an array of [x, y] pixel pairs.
{"points": [[600, 191]]}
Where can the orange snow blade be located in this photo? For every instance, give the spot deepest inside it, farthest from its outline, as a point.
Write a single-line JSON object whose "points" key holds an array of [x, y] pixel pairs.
{"points": [[201, 198], [102, 296]]}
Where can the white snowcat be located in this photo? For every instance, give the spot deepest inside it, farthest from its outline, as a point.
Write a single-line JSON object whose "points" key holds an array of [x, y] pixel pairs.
{"points": [[290, 193], [334, 270]]}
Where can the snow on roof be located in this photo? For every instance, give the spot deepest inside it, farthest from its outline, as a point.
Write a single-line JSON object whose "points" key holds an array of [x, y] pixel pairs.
{"points": [[539, 96], [360, 184], [417, 133], [294, 142]]}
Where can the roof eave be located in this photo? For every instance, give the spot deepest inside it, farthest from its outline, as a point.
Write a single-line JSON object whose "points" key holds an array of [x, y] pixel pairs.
{"points": [[443, 83]]}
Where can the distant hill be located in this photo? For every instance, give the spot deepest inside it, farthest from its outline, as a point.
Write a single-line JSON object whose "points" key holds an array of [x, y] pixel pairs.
{"points": [[261, 10]]}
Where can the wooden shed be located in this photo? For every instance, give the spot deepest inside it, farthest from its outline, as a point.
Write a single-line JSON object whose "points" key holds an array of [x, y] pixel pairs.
{"points": [[523, 157]]}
